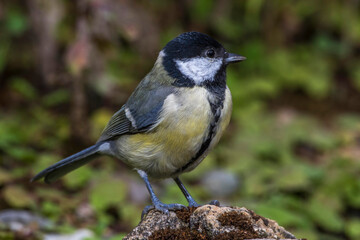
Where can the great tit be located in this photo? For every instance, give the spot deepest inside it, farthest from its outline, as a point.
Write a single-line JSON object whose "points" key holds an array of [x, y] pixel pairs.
{"points": [[175, 116]]}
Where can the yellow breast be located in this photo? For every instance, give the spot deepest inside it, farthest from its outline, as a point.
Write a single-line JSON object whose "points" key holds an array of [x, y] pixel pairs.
{"points": [[185, 117], [176, 138]]}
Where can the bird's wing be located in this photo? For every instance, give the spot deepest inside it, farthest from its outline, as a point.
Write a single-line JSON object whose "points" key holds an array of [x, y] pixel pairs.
{"points": [[139, 113]]}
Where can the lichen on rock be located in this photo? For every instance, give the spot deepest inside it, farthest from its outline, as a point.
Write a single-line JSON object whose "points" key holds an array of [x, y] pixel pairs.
{"points": [[208, 222]]}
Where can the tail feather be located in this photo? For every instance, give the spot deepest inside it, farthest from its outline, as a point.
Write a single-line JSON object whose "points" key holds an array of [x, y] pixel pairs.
{"points": [[67, 165]]}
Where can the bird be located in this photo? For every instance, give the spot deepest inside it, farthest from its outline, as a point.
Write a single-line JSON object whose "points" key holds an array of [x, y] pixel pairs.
{"points": [[171, 121]]}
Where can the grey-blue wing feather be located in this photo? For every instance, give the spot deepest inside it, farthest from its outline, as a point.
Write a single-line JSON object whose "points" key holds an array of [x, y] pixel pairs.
{"points": [[118, 124], [68, 164], [139, 113]]}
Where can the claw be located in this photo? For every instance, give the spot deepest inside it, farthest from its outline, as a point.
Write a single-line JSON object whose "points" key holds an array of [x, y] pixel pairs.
{"points": [[162, 207], [146, 211], [193, 204]]}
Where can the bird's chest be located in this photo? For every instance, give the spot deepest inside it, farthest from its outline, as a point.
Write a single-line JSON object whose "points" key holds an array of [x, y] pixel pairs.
{"points": [[195, 119], [190, 124], [218, 110], [185, 119]]}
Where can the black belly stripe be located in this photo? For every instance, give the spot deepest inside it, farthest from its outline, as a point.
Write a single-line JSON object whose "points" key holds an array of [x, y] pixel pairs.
{"points": [[216, 110], [217, 87]]}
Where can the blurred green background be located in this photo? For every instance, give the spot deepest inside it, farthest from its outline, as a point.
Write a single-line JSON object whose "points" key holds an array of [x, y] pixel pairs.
{"points": [[291, 152]]}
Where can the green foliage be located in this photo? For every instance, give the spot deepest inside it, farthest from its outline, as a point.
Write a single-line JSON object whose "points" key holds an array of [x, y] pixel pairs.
{"points": [[17, 197], [201, 10], [23, 87], [7, 235], [325, 216], [16, 21], [118, 237], [107, 192], [353, 228], [78, 178], [284, 216], [55, 98], [50, 209]]}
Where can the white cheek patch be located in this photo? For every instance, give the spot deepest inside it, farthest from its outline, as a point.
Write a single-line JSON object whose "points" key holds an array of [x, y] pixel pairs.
{"points": [[199, 69]]}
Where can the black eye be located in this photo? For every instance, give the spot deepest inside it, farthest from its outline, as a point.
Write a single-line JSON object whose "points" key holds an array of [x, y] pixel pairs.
{"points": [[210, 53]]}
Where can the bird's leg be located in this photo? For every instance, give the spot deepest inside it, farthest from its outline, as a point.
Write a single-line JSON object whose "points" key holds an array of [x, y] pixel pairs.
{"points": [[157, 204], [189, 198]]}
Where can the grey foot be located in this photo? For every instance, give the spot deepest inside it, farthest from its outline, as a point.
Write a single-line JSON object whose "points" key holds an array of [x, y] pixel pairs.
{"points": [[192, 203], [162, 207]]}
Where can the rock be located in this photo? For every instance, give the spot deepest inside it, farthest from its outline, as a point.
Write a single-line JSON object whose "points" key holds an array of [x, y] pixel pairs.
{"points": [[81, 234], [20, 224], [16, 220], [208, 222]]}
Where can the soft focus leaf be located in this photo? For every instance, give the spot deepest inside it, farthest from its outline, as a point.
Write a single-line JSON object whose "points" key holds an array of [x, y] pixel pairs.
{"points": [[293, 177], [60, 96], [107, 192], [16, 22], [325, 216], [50, 209], [16, 196], [118, 237], [23, 87], [5, 176], [283, 217], [353, 228], [201, 9], [352, 191], [78, 178]]}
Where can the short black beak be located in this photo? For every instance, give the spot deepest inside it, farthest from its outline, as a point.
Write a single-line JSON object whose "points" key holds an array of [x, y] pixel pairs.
{"points": [[233, 58]]}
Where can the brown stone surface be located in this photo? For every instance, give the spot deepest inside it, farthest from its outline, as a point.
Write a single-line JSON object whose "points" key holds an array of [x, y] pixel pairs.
{"points": [[208, 222]]}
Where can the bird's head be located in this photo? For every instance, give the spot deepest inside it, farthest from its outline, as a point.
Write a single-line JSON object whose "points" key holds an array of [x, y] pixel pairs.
{"points": [[194, 58]]}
